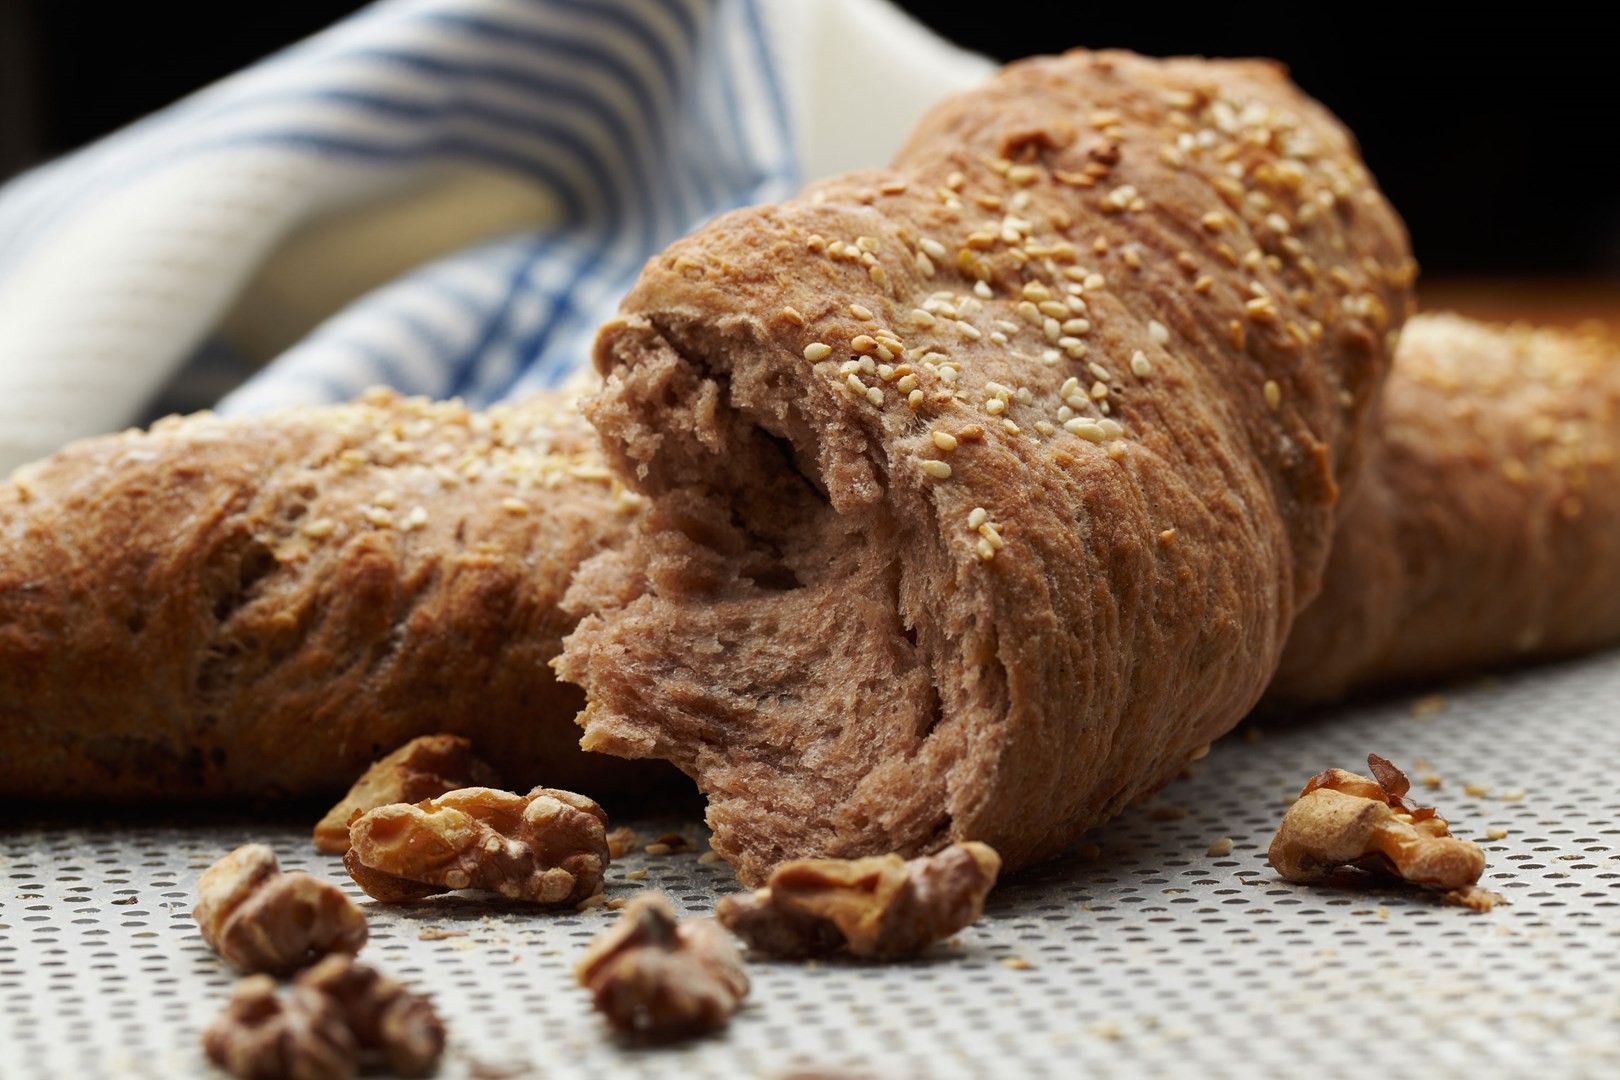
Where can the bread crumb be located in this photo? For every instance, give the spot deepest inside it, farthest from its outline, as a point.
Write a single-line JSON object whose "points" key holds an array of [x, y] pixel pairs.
{"points": [[1425, 707]]}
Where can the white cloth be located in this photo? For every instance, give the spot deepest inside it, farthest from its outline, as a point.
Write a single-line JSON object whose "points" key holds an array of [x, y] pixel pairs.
{"points": [[445, 196]]}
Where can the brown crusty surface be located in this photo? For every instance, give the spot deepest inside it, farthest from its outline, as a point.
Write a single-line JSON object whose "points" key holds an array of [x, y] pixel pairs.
{"points": [[1487, 528], [986, 488], [264, 606]]}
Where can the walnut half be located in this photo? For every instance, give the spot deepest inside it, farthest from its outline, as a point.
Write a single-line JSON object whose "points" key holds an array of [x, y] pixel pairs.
{"points": [[1342, 819], [262, 1036], [422, 768], [341, 1015], [261, 919], [546, 847], [877, 908], [662, 980]]}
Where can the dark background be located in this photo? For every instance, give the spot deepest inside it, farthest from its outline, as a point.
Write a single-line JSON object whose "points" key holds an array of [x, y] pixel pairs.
{"points": [[1494, 132]]}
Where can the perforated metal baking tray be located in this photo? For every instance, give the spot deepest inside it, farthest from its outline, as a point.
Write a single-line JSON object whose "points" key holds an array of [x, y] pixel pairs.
{"points": [[1146, 956]]}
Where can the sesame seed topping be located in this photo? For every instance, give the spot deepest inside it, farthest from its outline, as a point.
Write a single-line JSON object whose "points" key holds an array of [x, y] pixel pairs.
{"points": [[939, 470], [969, 331], [415, 519], [853, 381], [817, 350], [379, 517], [925, 265], [1139, 364], [1099, 390], [860, 311], [977, 516], [981, 289], [944, 440], [864, 343], [1273, 394], [932, 247], [914, 398], [1157, 331], [514, 506], [792, 315], [320, 527], [875, 395], [1095, 282], [1086, 429]]}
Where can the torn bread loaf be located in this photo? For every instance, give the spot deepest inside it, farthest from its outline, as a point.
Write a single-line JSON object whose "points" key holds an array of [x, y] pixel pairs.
{"points": [[985, 489], [1487, 526], [264, 606]]}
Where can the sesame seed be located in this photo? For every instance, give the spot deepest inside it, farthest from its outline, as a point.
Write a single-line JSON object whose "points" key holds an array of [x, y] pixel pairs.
{"points": [[955, 181], [1095, 282], [925, 265], [1086, 429], [1157, 331], [817, 350], [864, 343], [907, 383], [914, 398], [1053, 329], [792, 315], [860, 311], [816, 242], [853, 381], [1056, 309], [977, 516], [985, 550], [1076, 326], [1100, 371], [1099, 390], [1110, 428], [514, 506], [1273, 394], [1030, 313], [945, 441], [937, 469], [1496, 834], [379, 517], [1044, 427], [875, 395], [932, 247], [879, 276], [319, 528], [920, 317], [1023, 174], [415, 519], [995, 406], [981, 289]]}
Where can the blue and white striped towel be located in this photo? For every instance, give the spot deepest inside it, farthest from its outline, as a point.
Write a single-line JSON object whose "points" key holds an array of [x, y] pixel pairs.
{"points": [[445, 196]]}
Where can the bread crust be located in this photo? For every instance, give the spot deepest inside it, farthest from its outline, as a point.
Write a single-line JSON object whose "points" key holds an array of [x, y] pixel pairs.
{"points": [[257, 607], [806, 620]]}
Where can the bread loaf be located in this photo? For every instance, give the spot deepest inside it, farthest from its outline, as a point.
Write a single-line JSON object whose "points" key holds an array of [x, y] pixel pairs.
{"points": [[986, 488], [264, 606], [1487, 528]]}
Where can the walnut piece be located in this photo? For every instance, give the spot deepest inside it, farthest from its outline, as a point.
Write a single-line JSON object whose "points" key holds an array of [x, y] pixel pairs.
{"points": [[261, 919], [421, 769], [1342, 819], [385, 1019], [662, 980], [341, 1015], [260, 1036], [547, 847], [876, 908]]}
